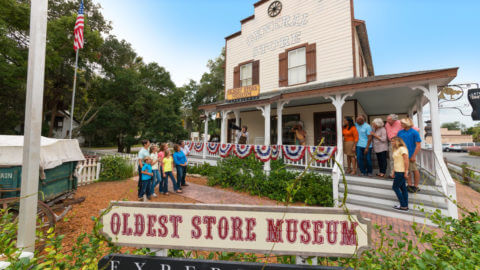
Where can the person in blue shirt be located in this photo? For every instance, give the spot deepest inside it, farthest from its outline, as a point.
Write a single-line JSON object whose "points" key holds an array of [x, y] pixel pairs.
{"points": [[142, 154], [364, 146], [180, 162], [412, 140], [147, 176]]}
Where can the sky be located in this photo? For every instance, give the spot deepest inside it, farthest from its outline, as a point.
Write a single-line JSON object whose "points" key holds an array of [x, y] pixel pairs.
{"points": [[407, 35]]}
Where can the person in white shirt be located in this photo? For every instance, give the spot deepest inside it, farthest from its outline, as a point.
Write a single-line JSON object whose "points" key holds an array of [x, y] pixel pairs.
{"points": [[242, 136]]}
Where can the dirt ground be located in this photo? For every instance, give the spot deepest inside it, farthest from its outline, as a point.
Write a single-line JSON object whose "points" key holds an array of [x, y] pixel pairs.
{"points": [[97, 197]]}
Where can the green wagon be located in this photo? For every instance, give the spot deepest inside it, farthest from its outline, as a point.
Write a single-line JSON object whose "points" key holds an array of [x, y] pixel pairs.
{"points": [[57, 181]]}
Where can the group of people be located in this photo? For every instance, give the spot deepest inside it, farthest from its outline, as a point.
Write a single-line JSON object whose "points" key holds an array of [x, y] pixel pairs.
{"points": [[155, 167], [397, 139]]}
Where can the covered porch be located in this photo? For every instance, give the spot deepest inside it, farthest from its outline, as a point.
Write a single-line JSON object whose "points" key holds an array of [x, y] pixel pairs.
{"points": [[320, 107]]}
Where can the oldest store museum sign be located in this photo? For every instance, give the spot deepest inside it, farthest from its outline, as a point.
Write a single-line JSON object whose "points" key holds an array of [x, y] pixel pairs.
{"points": [[281, 230]]}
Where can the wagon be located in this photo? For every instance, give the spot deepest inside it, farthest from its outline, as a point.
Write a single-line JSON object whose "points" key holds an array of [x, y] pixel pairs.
{"points": [[57, 181]]}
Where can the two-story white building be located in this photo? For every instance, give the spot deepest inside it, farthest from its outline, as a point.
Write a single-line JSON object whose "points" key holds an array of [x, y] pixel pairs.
{"points": [[309, 62]]}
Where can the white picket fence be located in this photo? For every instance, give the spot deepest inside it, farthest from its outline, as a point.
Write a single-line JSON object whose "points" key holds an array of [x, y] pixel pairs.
{"points": [[88, 170]]}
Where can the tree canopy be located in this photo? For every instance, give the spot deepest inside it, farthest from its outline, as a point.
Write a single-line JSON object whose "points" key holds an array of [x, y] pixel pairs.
{"points": [[119, 97]]}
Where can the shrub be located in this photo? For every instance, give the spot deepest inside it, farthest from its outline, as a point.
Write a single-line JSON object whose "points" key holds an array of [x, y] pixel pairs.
{"points": [[248, 175], [115, 168]]}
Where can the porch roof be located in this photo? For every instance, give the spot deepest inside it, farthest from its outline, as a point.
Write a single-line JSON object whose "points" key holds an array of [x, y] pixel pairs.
{"points": [[371, 89]]}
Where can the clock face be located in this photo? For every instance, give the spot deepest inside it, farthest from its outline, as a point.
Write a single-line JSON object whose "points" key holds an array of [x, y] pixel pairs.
{"points": [[274, 9]]}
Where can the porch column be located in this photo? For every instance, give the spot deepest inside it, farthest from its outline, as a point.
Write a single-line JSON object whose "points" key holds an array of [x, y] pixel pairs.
{"points": [[205, 135], [421, 125], [338, 100], [237, 117], [410, 113], [266, 115], [223, 133], [280, 105]]}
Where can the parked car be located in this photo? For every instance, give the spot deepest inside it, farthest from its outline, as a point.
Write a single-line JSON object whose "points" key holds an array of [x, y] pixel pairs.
{"points": [[444, 146], [453, 148], [465, 146]]}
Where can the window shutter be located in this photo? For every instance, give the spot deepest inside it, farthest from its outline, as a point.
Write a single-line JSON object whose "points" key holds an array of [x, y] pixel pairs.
{"points": [[311, 62], [236, 77], [282, 70], [256, 72]]}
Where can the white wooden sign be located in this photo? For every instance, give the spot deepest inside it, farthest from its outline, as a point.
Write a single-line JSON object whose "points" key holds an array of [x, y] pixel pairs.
{"points": [[282, 230]]}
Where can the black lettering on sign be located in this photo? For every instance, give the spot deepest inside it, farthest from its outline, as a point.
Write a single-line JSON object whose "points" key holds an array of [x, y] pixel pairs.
{"points": [[128, 262]]}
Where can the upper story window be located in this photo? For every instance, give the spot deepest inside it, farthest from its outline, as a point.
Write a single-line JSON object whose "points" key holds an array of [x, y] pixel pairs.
{"points": [[297, 66], [246, 75]]}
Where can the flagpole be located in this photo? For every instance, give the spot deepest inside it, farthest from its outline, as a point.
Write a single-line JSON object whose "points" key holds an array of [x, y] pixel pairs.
{"points": [[73, 93]]}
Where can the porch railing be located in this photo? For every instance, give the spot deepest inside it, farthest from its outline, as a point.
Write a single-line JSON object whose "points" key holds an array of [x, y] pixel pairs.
{"points": [[303, 162]]}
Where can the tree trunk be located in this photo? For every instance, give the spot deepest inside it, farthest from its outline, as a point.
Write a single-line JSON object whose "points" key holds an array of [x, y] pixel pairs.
{"points": [[52, 119], [120, 145], [129, 149]]}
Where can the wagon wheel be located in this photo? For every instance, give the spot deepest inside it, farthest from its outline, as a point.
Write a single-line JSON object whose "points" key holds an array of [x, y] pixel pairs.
{"points": [[45, 221]]}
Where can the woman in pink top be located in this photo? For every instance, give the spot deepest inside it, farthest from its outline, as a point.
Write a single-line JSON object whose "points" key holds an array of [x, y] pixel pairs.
{"points": [[161, 155], [393, 126]]}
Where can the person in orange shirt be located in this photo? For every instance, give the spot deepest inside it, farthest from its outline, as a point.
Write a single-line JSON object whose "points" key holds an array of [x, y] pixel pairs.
{"points": [[350, 139]]}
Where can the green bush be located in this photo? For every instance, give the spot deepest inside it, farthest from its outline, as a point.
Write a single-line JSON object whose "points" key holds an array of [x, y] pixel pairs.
{"points": [[115, 168], [248, 175]]}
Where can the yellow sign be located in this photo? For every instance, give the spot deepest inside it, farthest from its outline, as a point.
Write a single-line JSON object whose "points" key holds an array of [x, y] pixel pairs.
{"points": [[243, 92]]}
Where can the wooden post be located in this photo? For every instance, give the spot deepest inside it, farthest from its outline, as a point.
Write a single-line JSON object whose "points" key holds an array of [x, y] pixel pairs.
{"points": [[465, 174], [33, 125]]}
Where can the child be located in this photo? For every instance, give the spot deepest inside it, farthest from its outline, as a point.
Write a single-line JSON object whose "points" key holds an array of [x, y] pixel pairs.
{"points": [[156, 174], [400, 166], [167, 172], [147, 174]]}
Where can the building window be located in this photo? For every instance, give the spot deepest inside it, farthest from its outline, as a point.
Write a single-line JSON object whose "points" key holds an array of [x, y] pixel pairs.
{"points": [[297, 66], [58, 122], [246, 75], [288, 122]]}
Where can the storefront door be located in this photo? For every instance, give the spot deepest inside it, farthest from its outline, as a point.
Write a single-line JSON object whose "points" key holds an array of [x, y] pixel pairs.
{"points": [[325, 127]]}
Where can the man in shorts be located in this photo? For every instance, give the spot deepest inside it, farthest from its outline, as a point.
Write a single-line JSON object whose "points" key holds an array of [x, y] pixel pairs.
{"points": [[412, 140]]}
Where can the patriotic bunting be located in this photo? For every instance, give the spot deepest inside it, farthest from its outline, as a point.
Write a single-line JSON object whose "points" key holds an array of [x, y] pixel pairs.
{"points": [[293, 152], [324, 153], [213, 147], [188, 144], [242, 150], [275, 152], [263, 152], [225, 149], [198, 146]]}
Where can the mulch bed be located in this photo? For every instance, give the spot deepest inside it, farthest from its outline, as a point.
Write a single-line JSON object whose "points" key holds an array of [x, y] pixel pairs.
{"points": [[97, 197]]}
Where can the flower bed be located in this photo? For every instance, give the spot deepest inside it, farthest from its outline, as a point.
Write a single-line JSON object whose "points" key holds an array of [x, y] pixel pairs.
{"points": [[248, 175]]}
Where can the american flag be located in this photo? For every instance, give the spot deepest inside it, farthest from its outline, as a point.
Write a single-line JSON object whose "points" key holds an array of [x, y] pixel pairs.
{"points": [[78, 30]]}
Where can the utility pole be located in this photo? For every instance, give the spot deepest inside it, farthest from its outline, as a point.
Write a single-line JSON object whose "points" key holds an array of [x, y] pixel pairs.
{"points": [[33, 126]]}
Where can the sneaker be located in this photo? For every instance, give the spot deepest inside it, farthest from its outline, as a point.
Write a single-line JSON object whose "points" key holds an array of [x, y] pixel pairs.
{"points": [[185, 184], [403, 209], [417, 189], [179, 191], [396, 207], [140, 199], [144, 199], [154, 195], [411, 189]]}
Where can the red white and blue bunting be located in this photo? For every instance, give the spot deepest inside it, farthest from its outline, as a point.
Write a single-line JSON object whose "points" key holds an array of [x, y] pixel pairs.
{"points": [[198, 146], [293, 152], [225, 149], [213, 147], [323, 154], [189, 145], [275, 152], [263, 152], [242, 150]]}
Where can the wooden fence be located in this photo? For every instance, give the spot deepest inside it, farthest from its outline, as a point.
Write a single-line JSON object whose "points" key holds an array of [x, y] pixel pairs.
{"points": [[88, 170], [464, 173]]}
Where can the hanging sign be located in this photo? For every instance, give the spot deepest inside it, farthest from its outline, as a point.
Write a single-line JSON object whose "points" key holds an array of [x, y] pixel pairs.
{"points": [[245, 92], [474, 99], [128, 262], [310, 231]]}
